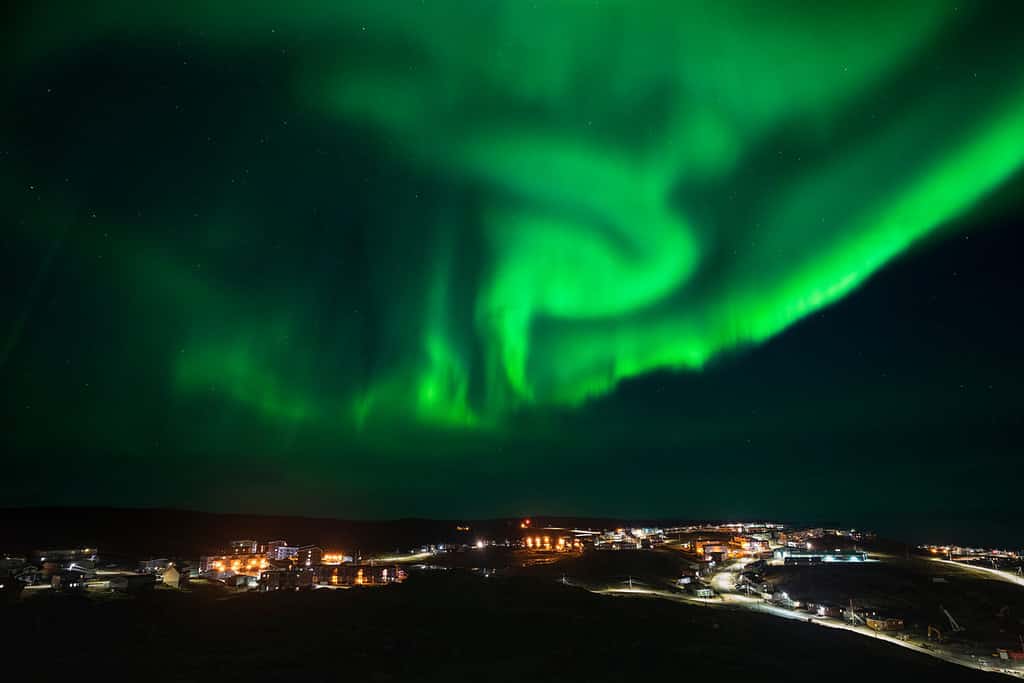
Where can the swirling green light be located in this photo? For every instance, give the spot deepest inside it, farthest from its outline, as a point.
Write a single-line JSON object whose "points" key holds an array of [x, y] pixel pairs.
{"points": [[656, 182]]}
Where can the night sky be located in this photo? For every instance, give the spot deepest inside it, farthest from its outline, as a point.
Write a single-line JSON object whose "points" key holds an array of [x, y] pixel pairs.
{"points": [[452, 259]]}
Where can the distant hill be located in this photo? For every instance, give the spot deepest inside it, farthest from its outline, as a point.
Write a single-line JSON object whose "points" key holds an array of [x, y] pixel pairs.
{"points": [[156, 531]]}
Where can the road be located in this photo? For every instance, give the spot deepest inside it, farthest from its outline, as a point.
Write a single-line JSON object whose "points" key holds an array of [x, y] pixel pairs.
{"points": [[724, 583], [985, 571], [399, 559]]}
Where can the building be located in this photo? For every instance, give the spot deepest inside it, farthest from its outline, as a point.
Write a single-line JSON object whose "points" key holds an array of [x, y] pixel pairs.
{"points": [[750, 545], [551, 542], [1015, 655], [619, 539], [155, 566], [88, 567], [29, 575], [286, 580], [309, 555], [242, 581], [797, 555], [718, 552], [233, 564], [358, 575], [335, 558], [67, 581], [279, 549], [779, 597], [174, 577], [283, 552], [699, 590], [11, 563], [884, 623], [64, 557], [245, 547], [700, 567], [825, 609]]}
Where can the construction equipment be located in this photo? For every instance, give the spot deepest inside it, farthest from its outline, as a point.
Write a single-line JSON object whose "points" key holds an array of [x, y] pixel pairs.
{"points": [[934, 631], [852, 615], [954, 627], [1004, 653]]}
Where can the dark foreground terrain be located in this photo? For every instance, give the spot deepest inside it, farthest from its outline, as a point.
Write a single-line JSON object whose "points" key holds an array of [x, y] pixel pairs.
{"points": [[441, 626]]}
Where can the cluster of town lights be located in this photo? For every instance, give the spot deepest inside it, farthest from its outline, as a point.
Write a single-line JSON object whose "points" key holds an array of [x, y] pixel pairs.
{"points": [[237, 565], [544, 543]]}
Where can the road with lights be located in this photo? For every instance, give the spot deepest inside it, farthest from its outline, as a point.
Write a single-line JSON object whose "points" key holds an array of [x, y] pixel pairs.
{"points": [[988, 572], [724, 584]]}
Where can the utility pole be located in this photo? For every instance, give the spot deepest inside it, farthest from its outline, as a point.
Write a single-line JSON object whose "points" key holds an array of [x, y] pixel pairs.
{"points": [[631, 583]]}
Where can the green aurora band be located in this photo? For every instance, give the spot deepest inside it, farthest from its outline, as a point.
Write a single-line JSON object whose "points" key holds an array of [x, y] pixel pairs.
{"points": [[653, 183]]}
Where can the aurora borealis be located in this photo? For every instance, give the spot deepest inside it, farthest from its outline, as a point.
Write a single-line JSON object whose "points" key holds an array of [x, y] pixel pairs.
{"points": [[340, 239]]}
